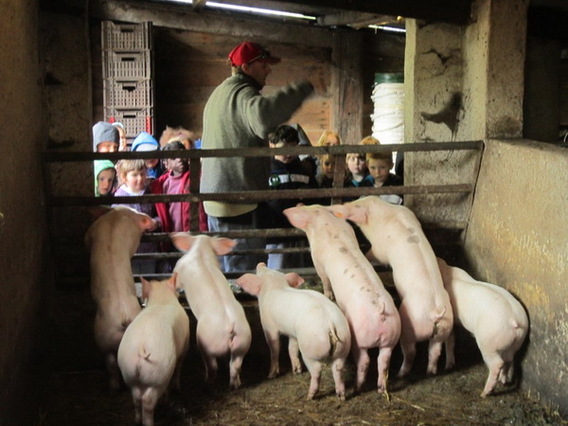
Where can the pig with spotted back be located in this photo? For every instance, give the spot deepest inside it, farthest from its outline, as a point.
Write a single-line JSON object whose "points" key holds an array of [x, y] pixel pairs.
{"points": [[350, 278], [397, 240], [315, 326], [151, 353], [112, 240], [222, 327], [496, 319]]}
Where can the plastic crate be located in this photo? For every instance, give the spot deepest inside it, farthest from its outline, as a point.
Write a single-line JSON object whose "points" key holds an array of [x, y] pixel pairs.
{"points": [[127, 65], [128, 94], [134, 120], [126, 36]]}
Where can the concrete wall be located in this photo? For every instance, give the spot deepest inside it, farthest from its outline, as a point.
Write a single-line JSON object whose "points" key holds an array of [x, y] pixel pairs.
{"points": [[517, 233], [22, 212], [518, 238]]}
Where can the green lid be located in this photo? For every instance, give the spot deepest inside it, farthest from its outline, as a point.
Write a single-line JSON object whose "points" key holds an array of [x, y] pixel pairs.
{"points": [[389, 77]]}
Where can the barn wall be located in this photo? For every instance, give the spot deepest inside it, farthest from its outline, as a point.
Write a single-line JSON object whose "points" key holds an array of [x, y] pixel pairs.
{"points": [[190, 62], [22, 223], [518, 238]]}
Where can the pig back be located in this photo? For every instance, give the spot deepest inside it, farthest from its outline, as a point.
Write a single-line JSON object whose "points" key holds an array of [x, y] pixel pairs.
{"points": [[485, 308], [152, 343], [304, 314], [206, 288]]}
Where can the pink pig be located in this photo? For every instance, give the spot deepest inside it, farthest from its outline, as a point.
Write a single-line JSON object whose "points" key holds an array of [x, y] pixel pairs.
{"points": [[113, 239], [368, 307], [314, 325], [153, 348], [496, 319], [397, 240], [222, 327]]}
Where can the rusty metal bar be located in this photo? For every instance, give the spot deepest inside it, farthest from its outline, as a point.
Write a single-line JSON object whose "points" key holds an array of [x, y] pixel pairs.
{"points": [[56, 156], [265, 195]]}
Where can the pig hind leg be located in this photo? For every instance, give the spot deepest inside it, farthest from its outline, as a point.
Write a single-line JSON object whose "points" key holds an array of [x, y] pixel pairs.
{"points": [[137, 400], [383, 363], [434, 352], [362, 361], [450, 351], [496, 365], [337, 371], [294, 353], [314, 367], [113, 371], [211, 366], [273, 340], [235, 365], [407, 341], [149, 399]]}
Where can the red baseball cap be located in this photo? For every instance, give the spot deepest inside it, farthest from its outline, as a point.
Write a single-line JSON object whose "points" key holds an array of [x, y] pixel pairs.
{"points": [[248, 52]]}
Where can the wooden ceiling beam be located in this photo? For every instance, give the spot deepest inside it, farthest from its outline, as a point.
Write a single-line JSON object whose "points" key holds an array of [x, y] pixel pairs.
{"points": [[452, 11], [355, 19], [184, 18], [198, 4]]}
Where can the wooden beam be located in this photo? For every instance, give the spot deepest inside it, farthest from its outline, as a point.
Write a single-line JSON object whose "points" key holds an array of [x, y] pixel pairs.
{"points": [[452, 11], [354, 19], [198, 4], [182, 17], [347, 86]]}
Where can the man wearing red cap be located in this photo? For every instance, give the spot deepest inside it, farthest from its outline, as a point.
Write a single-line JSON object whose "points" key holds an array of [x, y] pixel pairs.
{"points": [[237, 115]]}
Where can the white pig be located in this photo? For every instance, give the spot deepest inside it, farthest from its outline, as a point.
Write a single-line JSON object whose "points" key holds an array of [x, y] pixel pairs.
{"points": [[153, 348], [113, 239], [342, 267], [497, 320], [397, 240], [222, 327], [315, 326]]}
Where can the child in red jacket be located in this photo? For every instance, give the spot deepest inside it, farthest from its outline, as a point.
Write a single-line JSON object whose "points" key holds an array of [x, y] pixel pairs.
{"points": [[175, 216]]}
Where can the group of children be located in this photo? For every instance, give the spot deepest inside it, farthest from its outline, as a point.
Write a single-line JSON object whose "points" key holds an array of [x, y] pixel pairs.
{"points": [[171, 176], [141, 177], [291, 172]]}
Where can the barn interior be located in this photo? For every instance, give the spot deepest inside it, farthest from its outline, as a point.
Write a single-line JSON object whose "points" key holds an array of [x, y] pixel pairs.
{"points": [[483, 70]]}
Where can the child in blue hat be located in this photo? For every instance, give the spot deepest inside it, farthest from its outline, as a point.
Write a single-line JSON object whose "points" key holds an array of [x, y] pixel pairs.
{"points": [[146, 142]]}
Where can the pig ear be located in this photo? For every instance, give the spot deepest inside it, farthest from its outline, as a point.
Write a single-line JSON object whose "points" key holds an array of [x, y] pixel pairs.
{"points": [[294, 280], [174, 279], [358, 215], [354, 213], [223, 245], [146, 287], [181, 240], [145, 222], [296, 217], [171, 283], [249, 283]]}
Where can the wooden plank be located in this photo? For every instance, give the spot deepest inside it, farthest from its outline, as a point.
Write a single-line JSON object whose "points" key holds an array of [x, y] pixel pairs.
{"points": [[347, 84]]}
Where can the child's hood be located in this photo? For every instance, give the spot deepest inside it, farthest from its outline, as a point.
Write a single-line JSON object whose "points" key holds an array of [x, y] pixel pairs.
{"points": [[101, 165]]}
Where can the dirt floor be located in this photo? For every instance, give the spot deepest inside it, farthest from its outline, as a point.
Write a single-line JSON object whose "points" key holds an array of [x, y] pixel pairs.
{"points": [[77, 393], [80, 398]]}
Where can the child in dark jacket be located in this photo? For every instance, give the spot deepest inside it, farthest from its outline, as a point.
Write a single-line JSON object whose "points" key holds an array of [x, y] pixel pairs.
{"points": [[286, 172], [380, 165]]}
